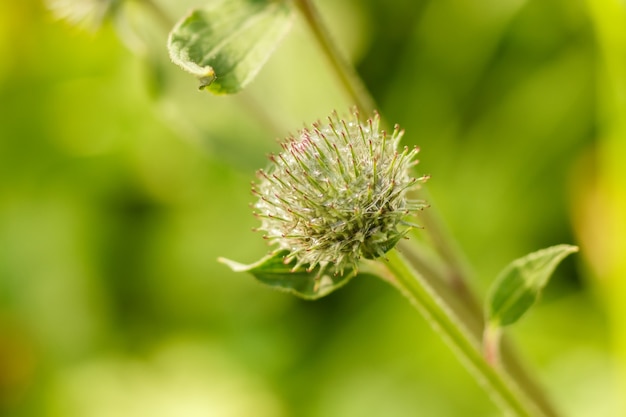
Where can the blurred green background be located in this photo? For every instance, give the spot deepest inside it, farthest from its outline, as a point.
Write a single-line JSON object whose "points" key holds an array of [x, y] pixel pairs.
{"points": [[120, 185]]}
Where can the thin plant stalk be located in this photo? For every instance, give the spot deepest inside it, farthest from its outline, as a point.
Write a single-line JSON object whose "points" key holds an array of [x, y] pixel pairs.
{"points": [[443, 243], [467, 309], [357, 91], [498, 384], [348, 77]]}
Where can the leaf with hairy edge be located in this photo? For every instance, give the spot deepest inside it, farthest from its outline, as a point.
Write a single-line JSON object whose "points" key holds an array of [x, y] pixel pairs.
{"points": [[273, 271], [226, 43], [518, 286]]}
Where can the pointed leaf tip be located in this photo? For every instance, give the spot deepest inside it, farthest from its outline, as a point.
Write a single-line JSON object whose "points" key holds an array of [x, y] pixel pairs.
{"points": [[519, 284], [235, 266]]}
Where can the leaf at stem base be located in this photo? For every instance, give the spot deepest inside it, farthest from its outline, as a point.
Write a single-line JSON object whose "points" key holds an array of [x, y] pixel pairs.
{"points": [[272, 270]]}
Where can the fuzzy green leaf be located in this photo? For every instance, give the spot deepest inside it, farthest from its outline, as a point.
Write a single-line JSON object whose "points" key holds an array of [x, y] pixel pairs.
{"points": [[273, 271], [226, 43], [518, 286]]}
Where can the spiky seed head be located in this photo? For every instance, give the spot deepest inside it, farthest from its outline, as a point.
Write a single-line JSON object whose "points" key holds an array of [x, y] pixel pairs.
{"points": [[337, 192]]}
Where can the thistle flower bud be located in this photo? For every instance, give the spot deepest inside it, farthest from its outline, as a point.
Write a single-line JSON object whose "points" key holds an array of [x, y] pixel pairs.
{"points": [[337, 192]]}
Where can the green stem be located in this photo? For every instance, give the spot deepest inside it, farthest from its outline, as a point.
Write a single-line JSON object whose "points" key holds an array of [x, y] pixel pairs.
{"points": [[465, 306], [436, 275], [446, 246], [346, 73], [358, 92], [497, 383], [459, 295], [491, 344]]}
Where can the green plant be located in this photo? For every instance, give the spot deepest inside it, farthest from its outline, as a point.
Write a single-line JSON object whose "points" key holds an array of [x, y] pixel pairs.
{"points": [[333, 199]]}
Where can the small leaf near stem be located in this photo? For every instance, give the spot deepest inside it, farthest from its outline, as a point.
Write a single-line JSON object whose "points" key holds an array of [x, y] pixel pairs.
{"points": [[515, 290], [519, 285]]}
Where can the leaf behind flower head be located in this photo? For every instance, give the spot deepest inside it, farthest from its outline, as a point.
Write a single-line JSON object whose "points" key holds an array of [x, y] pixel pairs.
{"points": [[272, 270]]}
